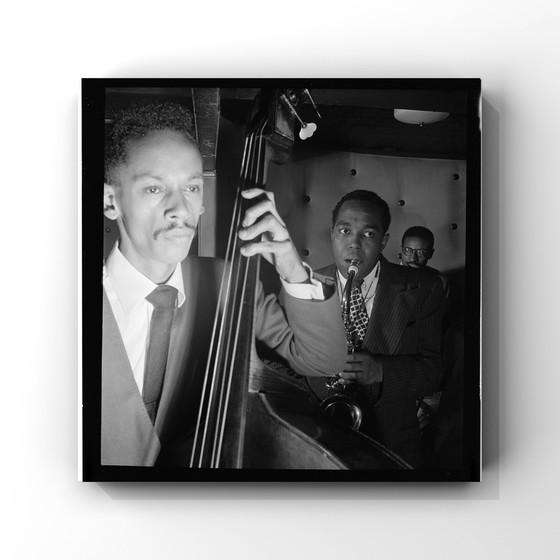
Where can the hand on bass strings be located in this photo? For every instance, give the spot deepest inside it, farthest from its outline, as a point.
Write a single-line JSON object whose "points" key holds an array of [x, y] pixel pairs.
{"points": [[362, 368], [263, 224]]}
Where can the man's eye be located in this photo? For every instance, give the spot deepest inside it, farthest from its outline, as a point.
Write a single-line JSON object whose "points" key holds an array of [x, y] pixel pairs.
{"points": [[369, 234], [192, 188], [153, 190], [344, 231]]}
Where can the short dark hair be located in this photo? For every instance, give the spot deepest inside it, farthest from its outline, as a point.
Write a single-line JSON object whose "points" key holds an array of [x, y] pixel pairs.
{"points": [[366, 196], [420, 232], [138, 121]]}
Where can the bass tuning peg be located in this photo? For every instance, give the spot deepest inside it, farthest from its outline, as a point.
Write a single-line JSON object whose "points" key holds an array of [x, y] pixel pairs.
{"points": [[307, 129], [307, 92]]}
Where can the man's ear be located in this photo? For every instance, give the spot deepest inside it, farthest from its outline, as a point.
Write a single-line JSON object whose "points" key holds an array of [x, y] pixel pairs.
{"points": [[385, 240], [109, 205]]}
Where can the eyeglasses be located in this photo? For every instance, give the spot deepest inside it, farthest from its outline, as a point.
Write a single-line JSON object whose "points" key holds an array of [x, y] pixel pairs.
{"points": [[420, 252]]}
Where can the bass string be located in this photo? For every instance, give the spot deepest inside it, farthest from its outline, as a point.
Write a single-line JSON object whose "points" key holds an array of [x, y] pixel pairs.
{"points": [[219, 377], [238, 296], [244, 271], [208, 389], [217, 393]]}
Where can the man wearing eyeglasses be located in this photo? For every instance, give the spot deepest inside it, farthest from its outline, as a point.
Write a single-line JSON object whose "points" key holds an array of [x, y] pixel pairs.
{"points": [[417, 248]]}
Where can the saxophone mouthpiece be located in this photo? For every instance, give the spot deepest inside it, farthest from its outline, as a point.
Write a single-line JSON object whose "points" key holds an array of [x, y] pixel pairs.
{"points": [[353, 268]]}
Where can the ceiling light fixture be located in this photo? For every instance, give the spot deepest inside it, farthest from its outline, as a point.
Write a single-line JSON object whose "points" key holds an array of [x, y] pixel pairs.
{"points": [[410, 116]]}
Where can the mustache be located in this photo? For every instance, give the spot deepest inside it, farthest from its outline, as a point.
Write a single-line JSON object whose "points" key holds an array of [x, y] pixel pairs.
{"points": [[173, 226]]}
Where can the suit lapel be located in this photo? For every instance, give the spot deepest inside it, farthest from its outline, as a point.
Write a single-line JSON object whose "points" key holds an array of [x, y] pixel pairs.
{"points": [[394, 300], [391, 307], [329, 272], [327, 275]]}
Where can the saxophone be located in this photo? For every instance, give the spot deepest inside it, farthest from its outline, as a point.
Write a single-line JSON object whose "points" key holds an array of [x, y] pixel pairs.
{"points": [[340, 403]]}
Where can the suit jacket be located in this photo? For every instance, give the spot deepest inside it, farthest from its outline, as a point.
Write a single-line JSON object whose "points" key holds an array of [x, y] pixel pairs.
{"points": [[296, 330], [404, 334]]}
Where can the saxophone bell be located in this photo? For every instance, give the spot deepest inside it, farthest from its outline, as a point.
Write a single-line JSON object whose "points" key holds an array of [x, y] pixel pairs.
{"points": [[340, 406]]}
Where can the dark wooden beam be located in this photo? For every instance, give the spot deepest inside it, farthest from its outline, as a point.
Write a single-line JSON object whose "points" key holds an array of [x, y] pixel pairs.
{"points": [[421, 100], [206, 105]]}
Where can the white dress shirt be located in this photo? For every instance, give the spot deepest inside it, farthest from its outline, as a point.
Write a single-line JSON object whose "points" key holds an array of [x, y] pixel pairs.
{"points": [[127, 288], [369, 286]]}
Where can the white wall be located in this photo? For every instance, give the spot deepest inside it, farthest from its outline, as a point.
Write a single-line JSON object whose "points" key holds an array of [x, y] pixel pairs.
{"points": [[47, 47]]}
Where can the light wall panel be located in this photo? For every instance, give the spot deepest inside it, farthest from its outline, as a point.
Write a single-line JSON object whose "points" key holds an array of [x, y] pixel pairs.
{"points": [[425, 192]]}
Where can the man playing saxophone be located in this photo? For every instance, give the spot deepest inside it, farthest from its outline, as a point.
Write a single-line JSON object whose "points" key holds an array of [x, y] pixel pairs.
{"points": [[393, 325]]}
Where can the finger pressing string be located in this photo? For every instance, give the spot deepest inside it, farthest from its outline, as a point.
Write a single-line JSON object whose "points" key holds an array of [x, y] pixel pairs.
{"points": [[269, 225], [263, 247], [255, 192], [260, 209]]}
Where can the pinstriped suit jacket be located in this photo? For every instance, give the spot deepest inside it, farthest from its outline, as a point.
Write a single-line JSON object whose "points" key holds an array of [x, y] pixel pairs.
{"points": [[296, 331], [404, 334]]}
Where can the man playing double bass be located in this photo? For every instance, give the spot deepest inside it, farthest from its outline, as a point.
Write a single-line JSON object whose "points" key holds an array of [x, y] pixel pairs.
{"points": [[159, 303]]}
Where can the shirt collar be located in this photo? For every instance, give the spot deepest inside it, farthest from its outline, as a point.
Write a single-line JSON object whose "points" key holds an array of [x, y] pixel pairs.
{"points": [[131, 286], [368, 280]]}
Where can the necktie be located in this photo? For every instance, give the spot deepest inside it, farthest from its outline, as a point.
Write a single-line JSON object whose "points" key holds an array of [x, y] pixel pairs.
{"points": [[163, 299], [358, 314]]}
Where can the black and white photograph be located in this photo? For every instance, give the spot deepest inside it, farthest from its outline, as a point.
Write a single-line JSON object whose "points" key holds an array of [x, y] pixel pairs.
{"points": [[285, 280], [280, 280]]}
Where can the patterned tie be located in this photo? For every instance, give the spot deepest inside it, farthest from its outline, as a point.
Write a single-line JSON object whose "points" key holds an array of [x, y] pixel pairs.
{"points": [[358, 315], [163, 299]]}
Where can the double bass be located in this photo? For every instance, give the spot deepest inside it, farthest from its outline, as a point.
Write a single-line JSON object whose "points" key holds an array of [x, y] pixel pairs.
{"points": [[251, 416]]}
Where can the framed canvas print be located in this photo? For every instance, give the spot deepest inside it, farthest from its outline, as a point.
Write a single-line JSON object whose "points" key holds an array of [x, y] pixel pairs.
{"points": [[281, 280]]}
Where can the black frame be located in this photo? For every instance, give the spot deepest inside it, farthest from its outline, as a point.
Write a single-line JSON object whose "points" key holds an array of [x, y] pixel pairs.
{"points": [[92, 137]]}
